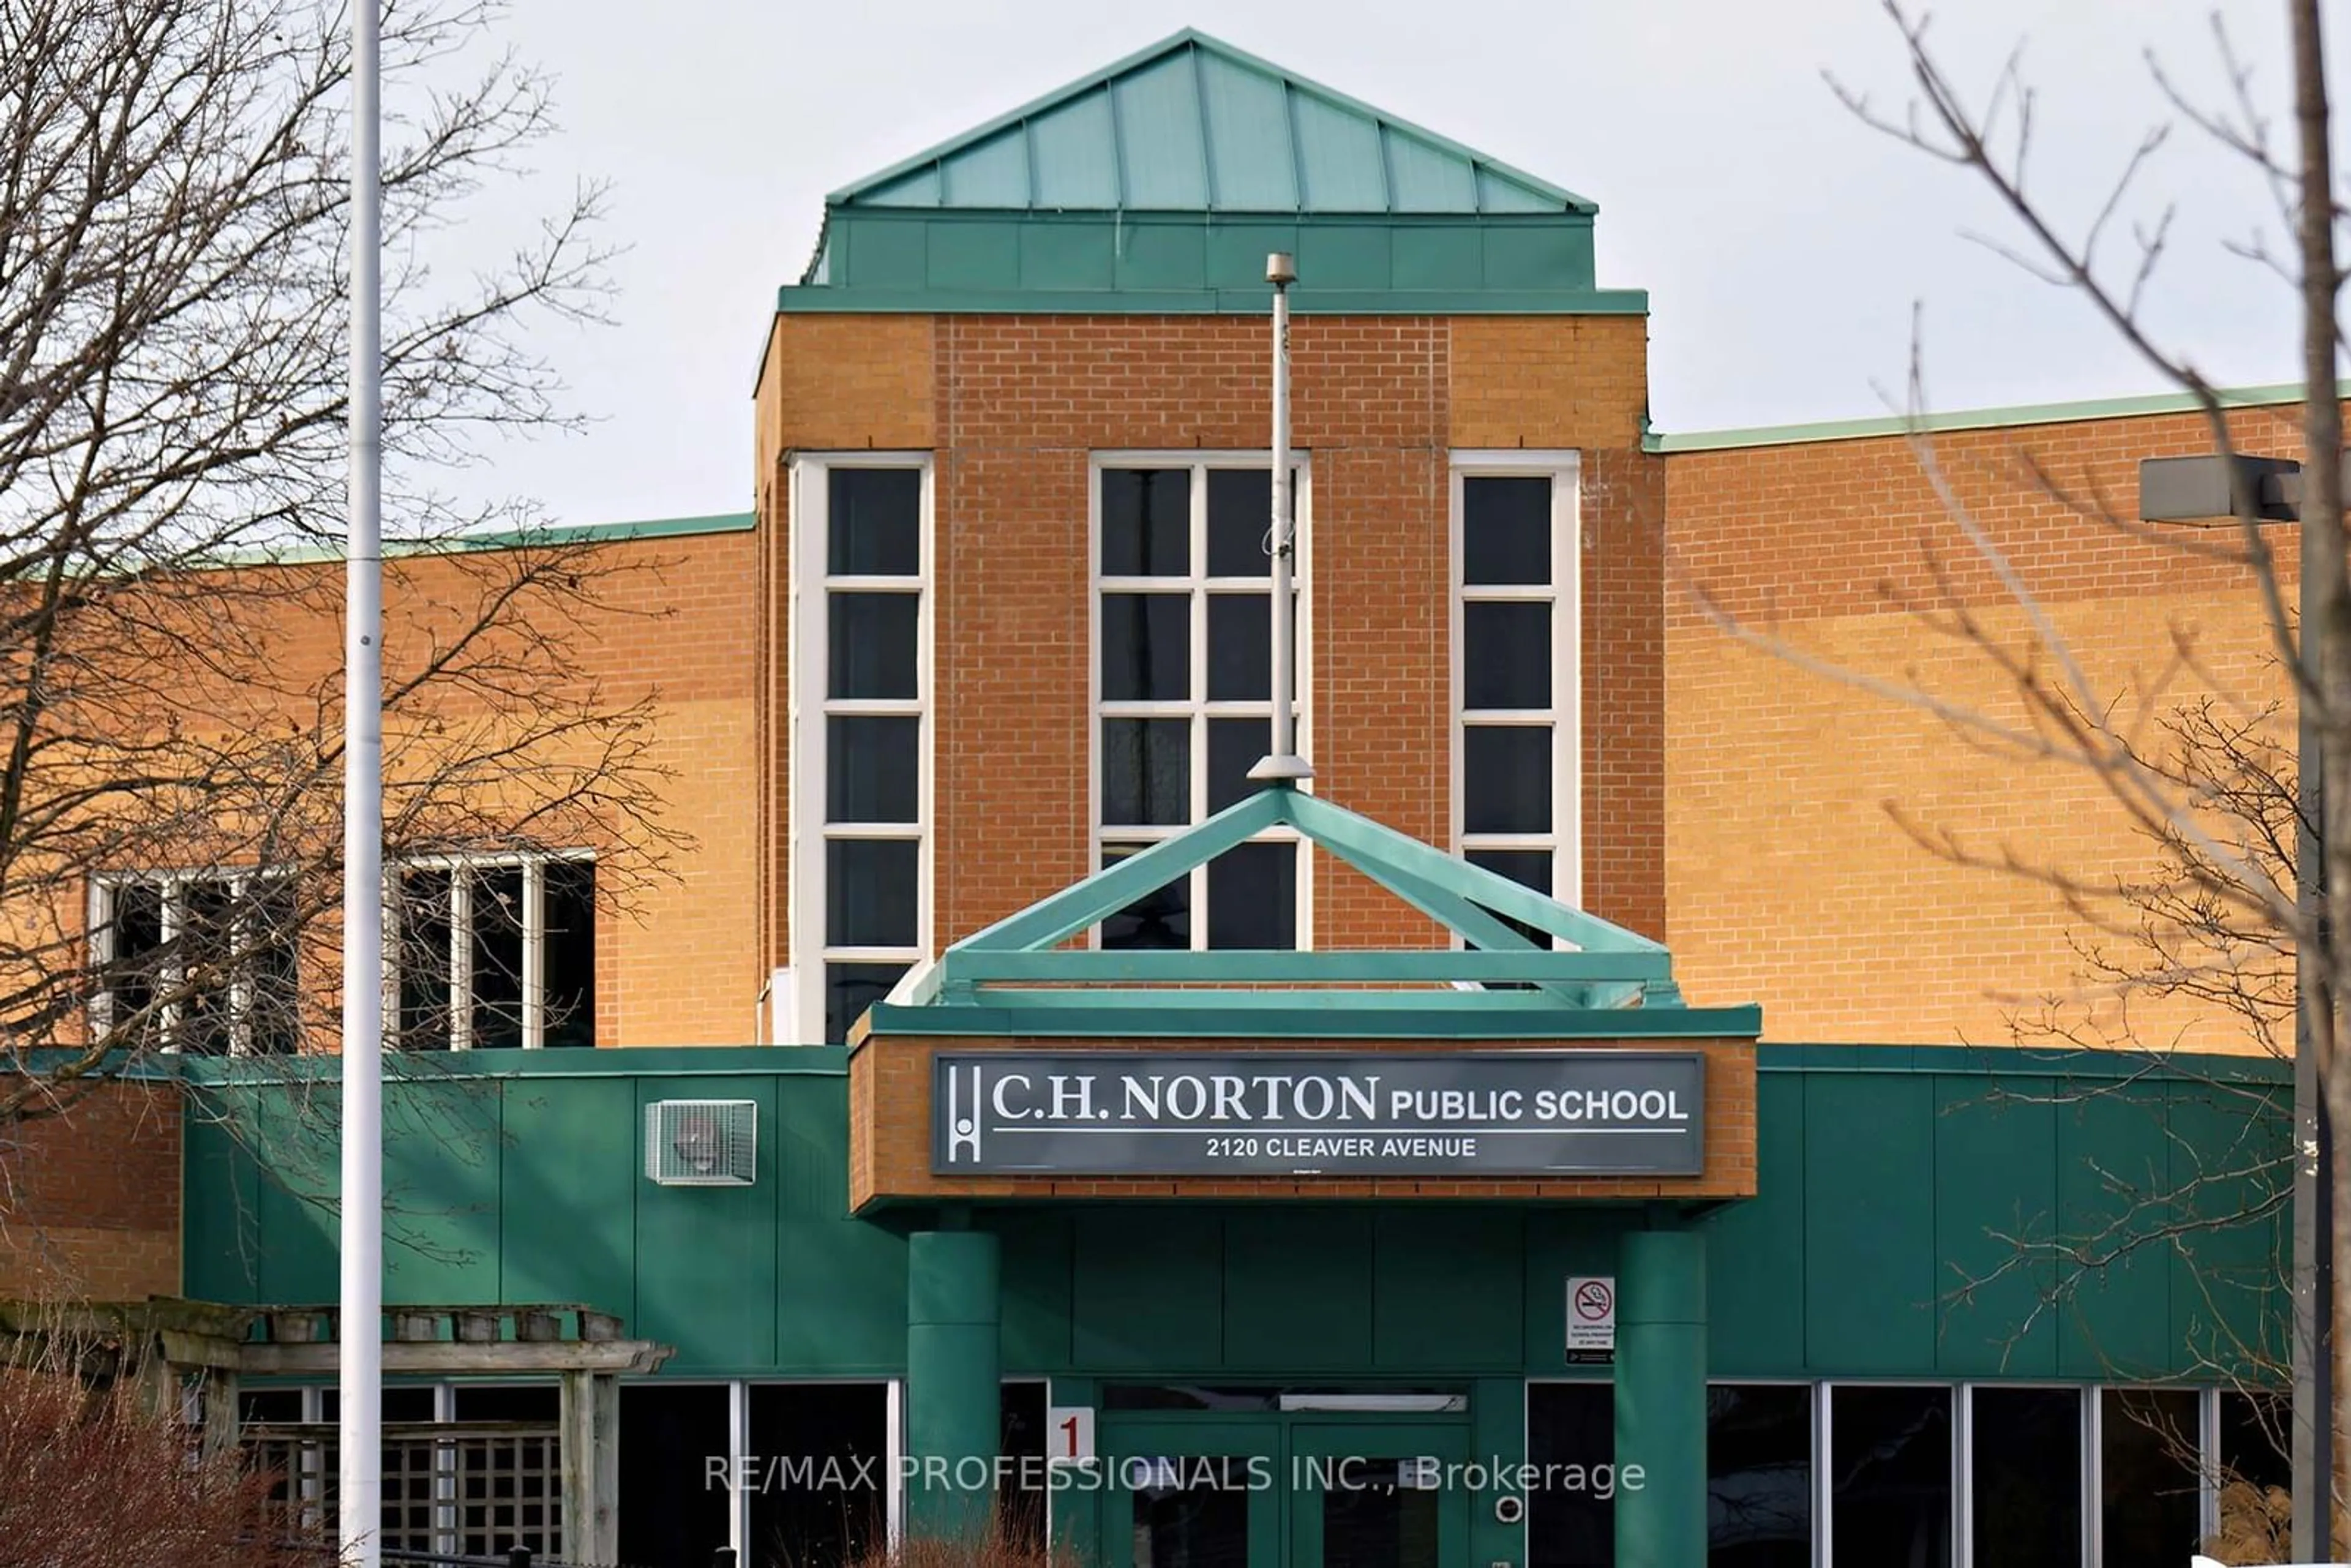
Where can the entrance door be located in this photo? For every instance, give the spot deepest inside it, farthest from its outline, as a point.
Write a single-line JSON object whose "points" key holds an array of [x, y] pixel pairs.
{"points": [[1378, 1495], [1185, 1493]]}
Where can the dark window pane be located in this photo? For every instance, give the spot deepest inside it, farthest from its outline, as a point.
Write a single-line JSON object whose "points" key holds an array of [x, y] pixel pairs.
{"points": [[839, 1513], [1197, 1518], [1528, 868], [497, 929], [2150, 1508], [1571, 1425], [519, 1403], [2256, 1470], [1253, 898], [270, 1405], [1240, 647], [1146, 647], [138, 944], [207, 914], [1506, 779], [873, 642], [849, 991], [874, 517], [1160, 919], [425, 960], [1890, 1476], [268, 941], [670, 1516], [1505, 530], [1235, 745], [568, 964], [1021, 1437], [1146, 522], [2028, 1477], [1759, 1476], [872, 769], [1240, 516], [1147, 771], [1505, 655], [870, 887]]}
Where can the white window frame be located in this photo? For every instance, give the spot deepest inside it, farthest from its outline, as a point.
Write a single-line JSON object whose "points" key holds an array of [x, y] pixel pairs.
{"points": [[1563, 468], [1198, 586], [105, 887], [533, 864], [799, 1004], [2086, 1397]]}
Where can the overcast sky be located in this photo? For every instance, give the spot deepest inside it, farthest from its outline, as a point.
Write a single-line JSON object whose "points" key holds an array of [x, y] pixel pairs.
{"points": [[1783, 244]]}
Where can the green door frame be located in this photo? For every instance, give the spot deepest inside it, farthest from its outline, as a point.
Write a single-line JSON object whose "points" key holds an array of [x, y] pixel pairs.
{"points": [[1284, 1450]]}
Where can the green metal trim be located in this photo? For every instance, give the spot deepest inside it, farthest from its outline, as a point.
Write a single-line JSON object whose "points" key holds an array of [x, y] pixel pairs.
{"points": [[1193, 38], [1172, 1019], [827, 298], [510, 538], [2024, 1062], [1977, 419], [609, 1061], [1284, 965]]}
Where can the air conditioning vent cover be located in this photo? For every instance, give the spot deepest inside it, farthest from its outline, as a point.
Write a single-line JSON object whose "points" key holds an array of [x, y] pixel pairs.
{"points": [[702, 1143]]}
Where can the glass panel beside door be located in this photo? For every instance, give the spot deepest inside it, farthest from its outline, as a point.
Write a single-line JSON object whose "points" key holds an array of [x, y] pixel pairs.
{"points": [[1190, 1493]]}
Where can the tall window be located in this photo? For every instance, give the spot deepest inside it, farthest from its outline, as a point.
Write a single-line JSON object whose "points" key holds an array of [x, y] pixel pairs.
{"points": [[1515, 687], [859, 864], [494, 952], [197, 961], [1184, 690]]}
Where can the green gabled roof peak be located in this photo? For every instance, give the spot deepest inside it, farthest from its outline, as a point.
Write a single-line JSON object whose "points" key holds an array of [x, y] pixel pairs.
{"points": [[1193, 124]]}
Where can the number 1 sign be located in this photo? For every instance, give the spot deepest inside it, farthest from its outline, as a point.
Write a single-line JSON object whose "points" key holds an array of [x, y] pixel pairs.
{"points": [[1070, 1434]]}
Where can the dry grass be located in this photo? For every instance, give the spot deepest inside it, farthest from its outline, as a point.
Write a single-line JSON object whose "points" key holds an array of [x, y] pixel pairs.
{"points": [[94, 1482], [995, 1550]]}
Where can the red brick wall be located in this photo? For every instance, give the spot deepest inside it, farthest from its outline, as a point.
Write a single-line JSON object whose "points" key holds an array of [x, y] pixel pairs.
{"points": [[90, 1201], [1016, 406]]}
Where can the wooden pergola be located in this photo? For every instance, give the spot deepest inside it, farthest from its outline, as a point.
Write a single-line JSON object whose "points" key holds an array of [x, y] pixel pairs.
{"points": [[164, 1344]]}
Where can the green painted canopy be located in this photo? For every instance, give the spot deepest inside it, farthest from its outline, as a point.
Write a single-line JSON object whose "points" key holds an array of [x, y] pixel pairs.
{"points": [[1192, 124], [1588, 978]]}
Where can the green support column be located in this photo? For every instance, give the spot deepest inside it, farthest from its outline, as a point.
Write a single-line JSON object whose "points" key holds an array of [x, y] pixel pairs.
{"points": [[1661, 1399], [954, 1410]]}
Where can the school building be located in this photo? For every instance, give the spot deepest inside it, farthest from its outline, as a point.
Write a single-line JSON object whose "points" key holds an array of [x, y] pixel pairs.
{"points": [[1579, 1124]]}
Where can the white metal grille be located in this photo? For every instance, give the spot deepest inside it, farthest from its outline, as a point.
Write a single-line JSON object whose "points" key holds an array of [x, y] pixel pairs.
{"points": [[702, 1143]]}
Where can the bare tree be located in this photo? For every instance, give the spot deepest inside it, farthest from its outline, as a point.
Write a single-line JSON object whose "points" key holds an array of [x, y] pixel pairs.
{"points": [[174, 274], [2204, 772]]}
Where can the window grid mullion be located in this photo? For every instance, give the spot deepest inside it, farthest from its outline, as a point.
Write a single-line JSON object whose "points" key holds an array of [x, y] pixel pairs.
{"points": [[461, 960], [534, 959], [169, 973]]}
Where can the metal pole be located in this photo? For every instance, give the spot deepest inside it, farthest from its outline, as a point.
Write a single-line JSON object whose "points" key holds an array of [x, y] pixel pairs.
{"points": [[2313, 1196], [359, 1427], [1282, 765]]}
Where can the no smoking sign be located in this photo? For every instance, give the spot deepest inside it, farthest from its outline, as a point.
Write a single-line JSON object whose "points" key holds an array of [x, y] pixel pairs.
{"points": [[1591, 1318]]}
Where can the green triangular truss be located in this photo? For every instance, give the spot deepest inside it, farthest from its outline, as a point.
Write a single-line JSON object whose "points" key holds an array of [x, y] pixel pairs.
{"points": [[1018, 971]]}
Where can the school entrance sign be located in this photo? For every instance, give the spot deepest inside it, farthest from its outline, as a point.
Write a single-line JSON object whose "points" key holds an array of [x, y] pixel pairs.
{"points": [[1116, 1112]]}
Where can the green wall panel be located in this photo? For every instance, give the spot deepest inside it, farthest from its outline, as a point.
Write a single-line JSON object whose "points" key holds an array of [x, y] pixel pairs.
{"points": [[1346, 255], [1869, 1223], [1434, 257], [1755, 1259], [1448, 1289], [1036, 1265], [1298, 1287], [841, 1283], [1538, 256], [2234, 1252], [707, 1255], [1066, 256], [882, 253], [293, 1203], [221, 1240], [1148, 1296], [1562, 1243], [1237, 253], [1164, 256], [565, 1155], [442, 1152], [976, 255], [1995, 1209], [2112, 1163]]}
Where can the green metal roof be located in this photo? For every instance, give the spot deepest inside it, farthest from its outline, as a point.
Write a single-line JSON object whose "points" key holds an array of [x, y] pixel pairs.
{"points": [[1193, 124], [1593, 980]]}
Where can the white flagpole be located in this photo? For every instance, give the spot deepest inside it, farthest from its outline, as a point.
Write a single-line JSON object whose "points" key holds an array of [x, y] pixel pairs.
{"points": [[360, 1429], [1281, 765]]}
